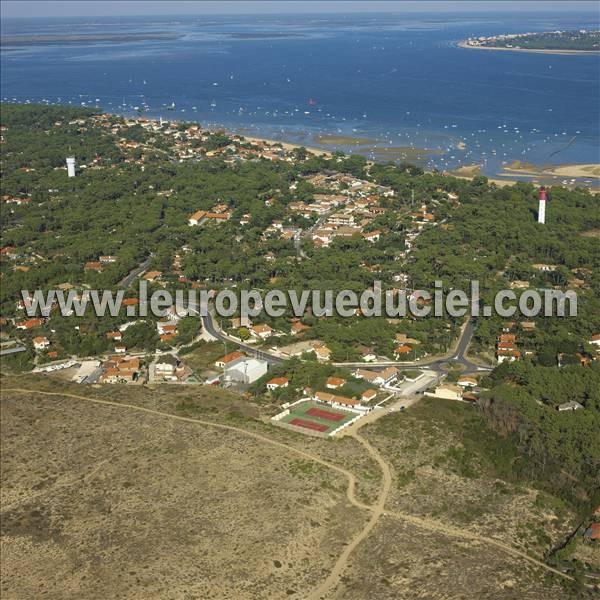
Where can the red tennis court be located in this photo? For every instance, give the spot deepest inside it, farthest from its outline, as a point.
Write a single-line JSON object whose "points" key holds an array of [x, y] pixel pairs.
{"points": [[309, 425], [324, 414]]}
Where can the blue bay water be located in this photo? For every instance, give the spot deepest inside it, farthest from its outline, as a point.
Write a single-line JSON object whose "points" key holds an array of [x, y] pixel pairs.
{"points": [[399, 79]]}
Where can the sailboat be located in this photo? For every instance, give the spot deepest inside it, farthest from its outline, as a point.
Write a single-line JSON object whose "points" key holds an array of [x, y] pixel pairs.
{"points": [[172, 107]]}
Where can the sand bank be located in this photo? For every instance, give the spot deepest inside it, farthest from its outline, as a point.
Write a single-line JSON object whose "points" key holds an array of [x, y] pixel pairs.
{"points": [[463, 44], [590, 171]]}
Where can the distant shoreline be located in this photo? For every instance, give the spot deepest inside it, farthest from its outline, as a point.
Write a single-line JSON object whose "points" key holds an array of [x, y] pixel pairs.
{"points": [[463, 44], [545, 175], [44, 40]]}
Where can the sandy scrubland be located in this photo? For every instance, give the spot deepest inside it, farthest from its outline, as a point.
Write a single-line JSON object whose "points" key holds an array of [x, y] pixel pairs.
{"points": [[186, 492]]}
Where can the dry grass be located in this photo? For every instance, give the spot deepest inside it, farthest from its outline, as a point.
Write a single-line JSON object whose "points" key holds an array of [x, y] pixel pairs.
{"points": [[108, 501], [104, 502]]}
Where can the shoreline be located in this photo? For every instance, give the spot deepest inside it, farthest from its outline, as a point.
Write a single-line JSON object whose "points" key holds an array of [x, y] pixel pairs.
{"points": [[463, 44], [587, 170], [286, 145], [499, 179]]}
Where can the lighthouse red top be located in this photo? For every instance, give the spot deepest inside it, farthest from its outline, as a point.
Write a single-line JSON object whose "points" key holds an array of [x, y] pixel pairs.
{"points": [[542, 194]]}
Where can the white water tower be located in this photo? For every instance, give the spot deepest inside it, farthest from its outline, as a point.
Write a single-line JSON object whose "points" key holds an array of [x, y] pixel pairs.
{"points": [[71, 166]]}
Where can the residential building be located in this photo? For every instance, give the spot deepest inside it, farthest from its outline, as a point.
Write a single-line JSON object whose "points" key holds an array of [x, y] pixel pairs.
{"points": [[373, 377], [341, 219], [153, 275], [197, 218], [323, 353], [165, 366], [402, 352], [40, 342], [507, 356], [389, 375], [334, 400], [229, 359], [261, 331], [93, 266], [368, 395], [466, 381], [446, 391], [372, 236], [298, 327], [277, 382], [333, 383]]}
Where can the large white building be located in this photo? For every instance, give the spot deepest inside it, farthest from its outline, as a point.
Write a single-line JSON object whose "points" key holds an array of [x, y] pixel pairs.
{"points": [[246, 371]]}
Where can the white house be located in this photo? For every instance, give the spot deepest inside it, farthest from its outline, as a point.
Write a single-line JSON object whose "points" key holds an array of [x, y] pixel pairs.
{"points": [[197, 218], [466, 381], [507, 356], [446, 391], [372, 236], [389, 375], [333, 383], [323, 353], [261, 331], [385, 377], [41, 342], [337, 401], [277, 382], [368, 355], [373, 377], [165, 366], [229, 359], [368, 395]]}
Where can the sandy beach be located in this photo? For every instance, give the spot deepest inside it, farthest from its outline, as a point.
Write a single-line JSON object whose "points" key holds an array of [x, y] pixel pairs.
{"points": [[345, 140], [510, 175], [591, 170], [286, 145], [464, 44]]}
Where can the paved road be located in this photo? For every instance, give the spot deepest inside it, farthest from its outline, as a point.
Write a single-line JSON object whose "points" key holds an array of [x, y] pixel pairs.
{"points": [[12, 350], [435, 364], [212, 329], [459, 355], [128, 279], [307, 233], [439, 364]]}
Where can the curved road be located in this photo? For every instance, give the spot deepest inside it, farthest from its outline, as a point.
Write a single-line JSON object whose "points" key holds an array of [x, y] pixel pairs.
{"points": [[128, 279], [436, 364]]}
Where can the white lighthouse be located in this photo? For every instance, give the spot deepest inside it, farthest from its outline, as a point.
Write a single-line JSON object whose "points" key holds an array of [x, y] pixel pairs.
{"points": [[542, 206], [71, 166]]}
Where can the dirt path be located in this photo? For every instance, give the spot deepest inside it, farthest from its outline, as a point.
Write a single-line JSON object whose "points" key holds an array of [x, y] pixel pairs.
{"points": [[323, 591], [350, 492], [452, 531], [377, 510]]}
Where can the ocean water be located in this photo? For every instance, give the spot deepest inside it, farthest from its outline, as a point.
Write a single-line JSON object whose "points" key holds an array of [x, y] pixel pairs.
{"points": [[400, 81]]}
